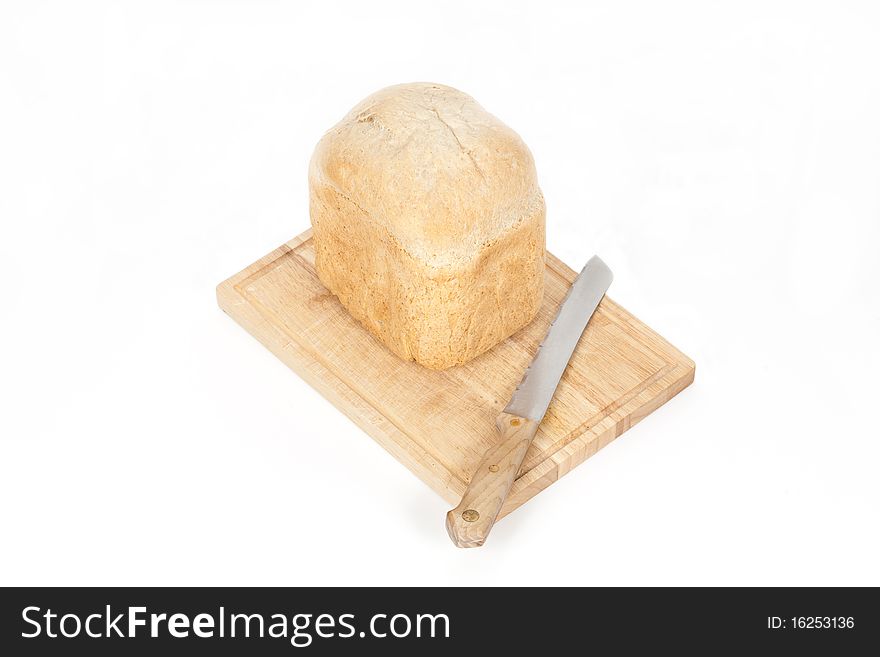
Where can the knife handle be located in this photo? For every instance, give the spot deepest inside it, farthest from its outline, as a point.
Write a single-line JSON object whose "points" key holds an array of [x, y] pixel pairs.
{"points": [[471, 521]]}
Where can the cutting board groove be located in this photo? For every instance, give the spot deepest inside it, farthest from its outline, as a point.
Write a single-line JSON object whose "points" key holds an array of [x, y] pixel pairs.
{"points": [[439, 424]]}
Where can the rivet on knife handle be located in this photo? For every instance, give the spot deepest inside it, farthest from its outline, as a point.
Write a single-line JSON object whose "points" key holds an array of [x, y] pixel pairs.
{"points": [[471, 521]]}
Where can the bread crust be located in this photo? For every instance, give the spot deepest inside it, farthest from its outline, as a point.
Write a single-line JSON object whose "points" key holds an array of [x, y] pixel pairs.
{"points": [[429, 223]]}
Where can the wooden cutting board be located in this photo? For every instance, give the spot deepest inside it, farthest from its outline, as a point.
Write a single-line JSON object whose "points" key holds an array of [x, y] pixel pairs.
{"points": [[439, 424]]}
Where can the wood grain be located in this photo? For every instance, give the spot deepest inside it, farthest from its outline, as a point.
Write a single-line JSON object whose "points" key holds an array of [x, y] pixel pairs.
{"points": [[469, 524], [439, 424]]}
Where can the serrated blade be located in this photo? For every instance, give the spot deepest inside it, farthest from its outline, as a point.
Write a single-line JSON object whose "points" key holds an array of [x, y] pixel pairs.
{"points": [[532, 396]]}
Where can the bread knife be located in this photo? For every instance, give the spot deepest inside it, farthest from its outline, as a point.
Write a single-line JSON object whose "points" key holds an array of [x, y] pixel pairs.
{"points": [[471, 521]]}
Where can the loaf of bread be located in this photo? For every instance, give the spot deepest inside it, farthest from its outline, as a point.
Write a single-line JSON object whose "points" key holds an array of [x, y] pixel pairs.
{"points": [[429, 223]]}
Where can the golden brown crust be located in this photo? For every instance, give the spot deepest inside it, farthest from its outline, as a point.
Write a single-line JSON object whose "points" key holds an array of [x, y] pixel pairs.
{"points": [[429, 223]]}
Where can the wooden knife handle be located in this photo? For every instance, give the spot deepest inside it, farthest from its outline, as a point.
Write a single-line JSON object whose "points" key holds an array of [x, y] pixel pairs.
{"points": [[471, 521]]}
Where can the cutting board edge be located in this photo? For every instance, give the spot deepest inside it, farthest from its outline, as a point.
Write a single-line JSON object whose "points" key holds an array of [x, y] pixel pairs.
{"points": [[563, 461], [328, 385], [419, 462]]}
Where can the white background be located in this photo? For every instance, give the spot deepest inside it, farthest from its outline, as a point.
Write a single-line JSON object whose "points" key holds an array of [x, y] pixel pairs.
{"points": [[723, 158]]}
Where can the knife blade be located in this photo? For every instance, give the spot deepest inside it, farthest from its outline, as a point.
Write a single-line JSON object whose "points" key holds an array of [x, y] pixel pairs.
{"points": [[471, 521], [532, 396]]}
